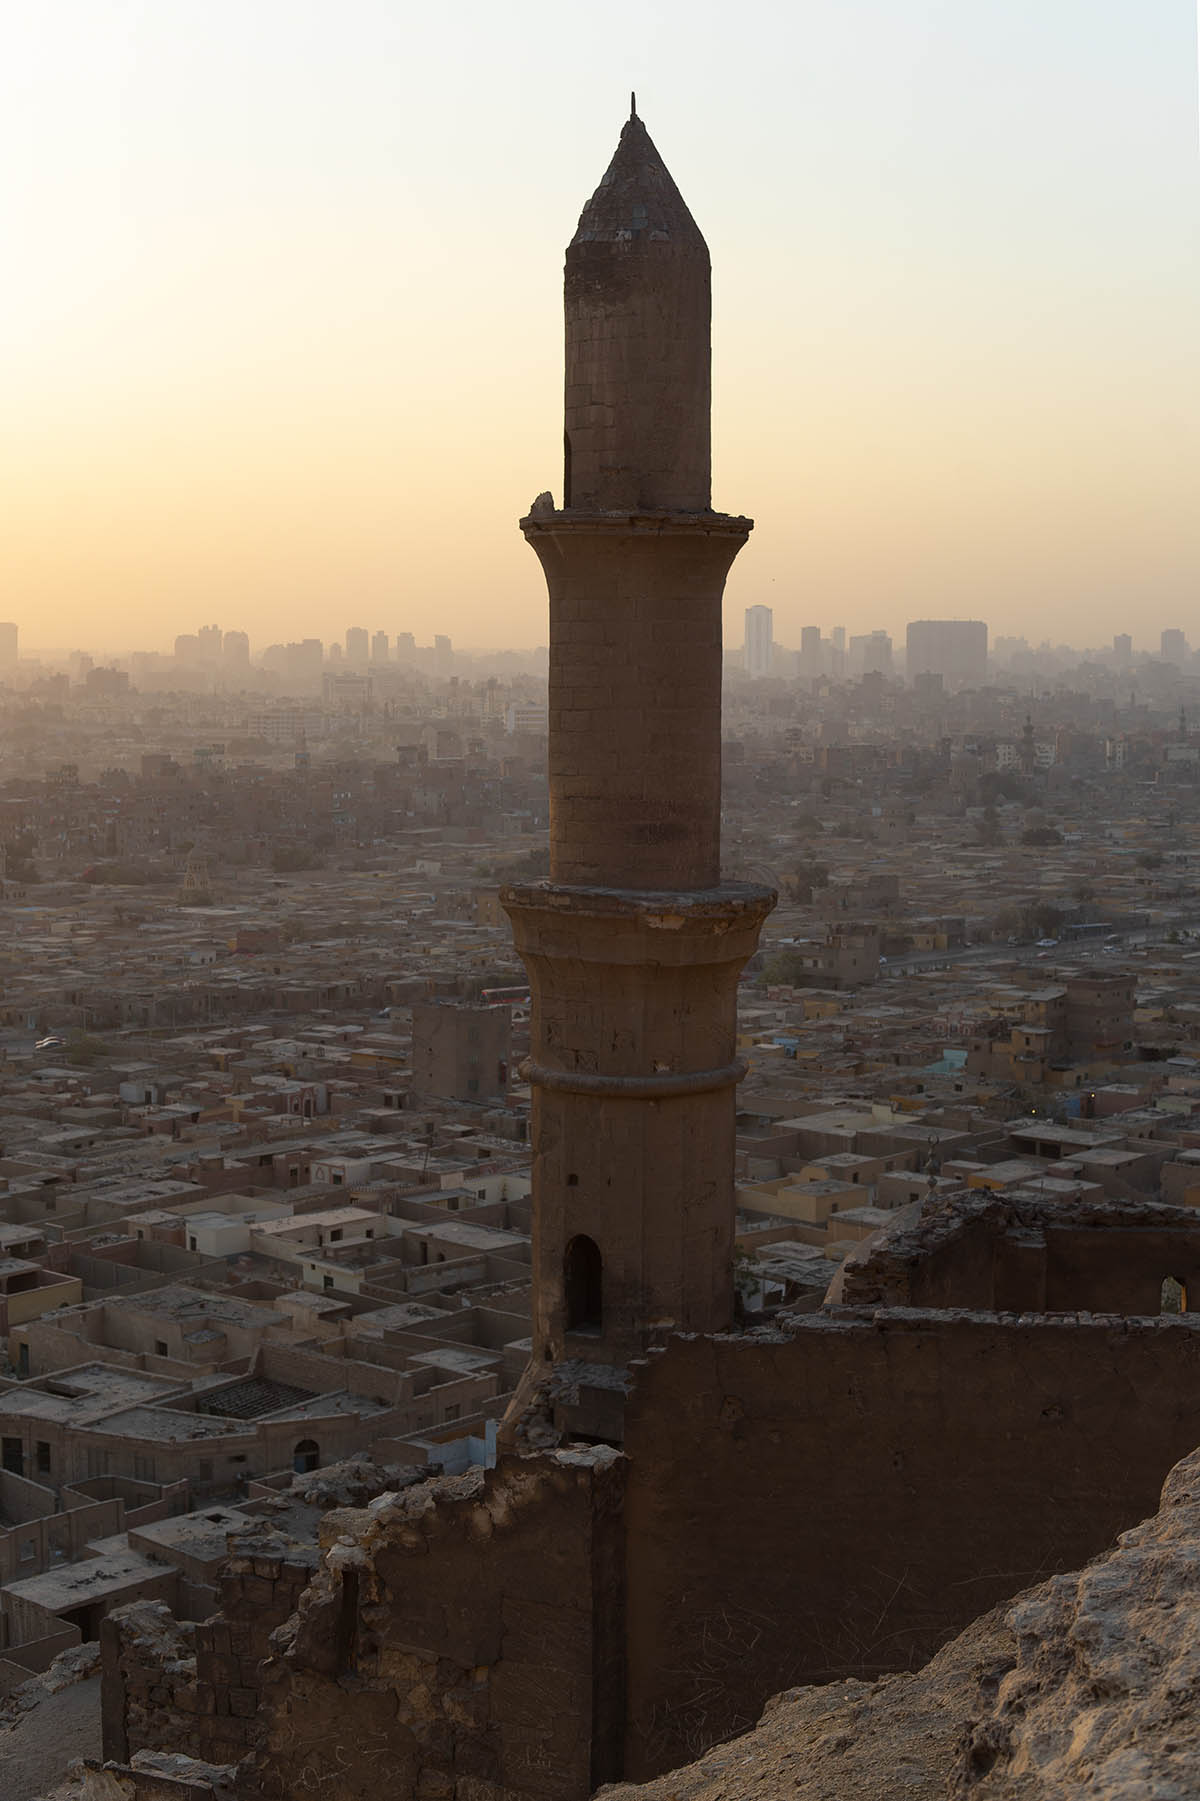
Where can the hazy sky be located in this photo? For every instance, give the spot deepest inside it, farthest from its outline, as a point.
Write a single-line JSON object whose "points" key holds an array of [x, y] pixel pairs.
{"points": [[280, 314]]}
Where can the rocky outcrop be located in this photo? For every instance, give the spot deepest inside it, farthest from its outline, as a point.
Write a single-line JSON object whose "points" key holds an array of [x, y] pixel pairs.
{"points": [[1085, 1687], [1102, 1698]]}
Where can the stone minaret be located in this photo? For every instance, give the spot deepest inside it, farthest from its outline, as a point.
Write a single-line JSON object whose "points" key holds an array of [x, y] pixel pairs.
{"points": [[633, 947]]}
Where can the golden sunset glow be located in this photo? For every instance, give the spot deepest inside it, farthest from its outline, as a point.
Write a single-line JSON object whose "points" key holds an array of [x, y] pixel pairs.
{"points": [[280, 343]]}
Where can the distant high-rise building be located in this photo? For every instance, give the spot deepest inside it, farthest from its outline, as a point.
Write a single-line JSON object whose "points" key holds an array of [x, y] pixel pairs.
{"points": [[810, 662], [443, 655], [531, 716], [955, 649], [871, 654], [760, 623], [209, 640], [406, 648], [8, 645], [1122, 648], [380, 646], [357, 644], [235, 650], [107, 683], [837, 637], [187, 648], [347, 690], [300, 665], [1173, 646]]}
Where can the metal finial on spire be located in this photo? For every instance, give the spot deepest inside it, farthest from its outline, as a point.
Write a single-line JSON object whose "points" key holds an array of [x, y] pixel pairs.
{"points": [[632, 105]]}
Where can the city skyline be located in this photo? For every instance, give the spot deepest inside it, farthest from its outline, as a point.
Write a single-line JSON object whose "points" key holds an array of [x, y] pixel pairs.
{"points": [[373, 644], [957, 359]]}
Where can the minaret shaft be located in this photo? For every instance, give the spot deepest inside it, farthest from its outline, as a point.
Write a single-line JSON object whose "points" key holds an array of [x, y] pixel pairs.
{"points": [[633, 947], [635, 695]]}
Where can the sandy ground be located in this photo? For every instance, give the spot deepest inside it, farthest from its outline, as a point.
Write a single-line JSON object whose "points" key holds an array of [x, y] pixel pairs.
{"points": [[35, 1751]]}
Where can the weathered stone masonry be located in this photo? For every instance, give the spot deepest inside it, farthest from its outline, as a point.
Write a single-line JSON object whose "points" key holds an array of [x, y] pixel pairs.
{"points": [[464, 1640], [634, 947], [170, 1685]]}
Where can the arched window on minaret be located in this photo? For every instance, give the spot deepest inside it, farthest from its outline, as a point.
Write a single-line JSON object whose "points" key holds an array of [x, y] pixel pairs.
{"points": [[583, 1285]]}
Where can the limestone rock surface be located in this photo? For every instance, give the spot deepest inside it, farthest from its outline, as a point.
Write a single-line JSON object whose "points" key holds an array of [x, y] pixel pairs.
{"points": [[1102, 1701]]}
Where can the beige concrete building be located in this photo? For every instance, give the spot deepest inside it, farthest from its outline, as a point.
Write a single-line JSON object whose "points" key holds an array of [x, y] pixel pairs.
{"points": [[460, 1052]]}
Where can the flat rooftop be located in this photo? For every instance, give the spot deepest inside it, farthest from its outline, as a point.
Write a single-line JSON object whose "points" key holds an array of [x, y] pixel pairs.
{"points": [[164, 1425], [92, 1392], [100, 1578], [470, 1238], [180, 1303], [461, 1360], [300, 1222]]}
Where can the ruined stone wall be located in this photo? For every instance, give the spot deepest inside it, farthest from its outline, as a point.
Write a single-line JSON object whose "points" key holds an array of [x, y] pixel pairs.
{"points": [[148, 1690], [983, 1251], [831, 1497], [463, 1641], [259, 1591], [839, 1497], [172, 1686], [1121, 1270]]}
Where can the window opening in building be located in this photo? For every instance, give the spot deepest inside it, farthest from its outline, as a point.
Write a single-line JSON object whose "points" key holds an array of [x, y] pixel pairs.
{"points": [[1173, 1296], [583, 1284]]}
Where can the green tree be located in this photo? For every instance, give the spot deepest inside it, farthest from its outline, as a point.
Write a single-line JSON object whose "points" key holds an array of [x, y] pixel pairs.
{"points": [[287, 858], [801, 882], [785, 969]]}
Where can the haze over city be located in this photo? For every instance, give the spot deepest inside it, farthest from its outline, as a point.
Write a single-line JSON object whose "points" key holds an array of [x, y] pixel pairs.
{"points": [[279, 338], [599, 1198]]}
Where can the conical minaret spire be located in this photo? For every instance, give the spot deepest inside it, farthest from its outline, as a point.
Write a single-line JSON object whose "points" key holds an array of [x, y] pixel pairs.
{"points": [[638, 317]]}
